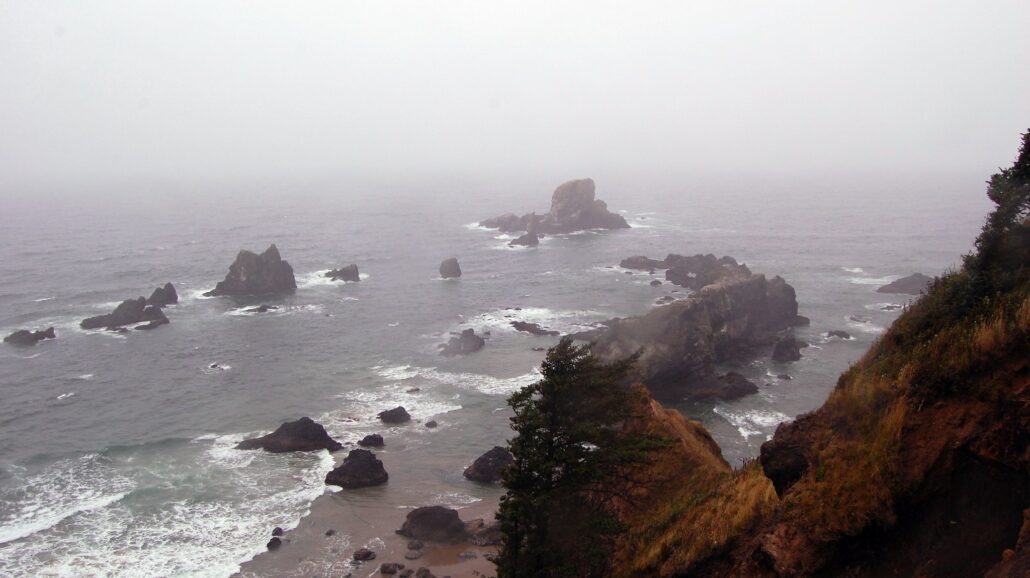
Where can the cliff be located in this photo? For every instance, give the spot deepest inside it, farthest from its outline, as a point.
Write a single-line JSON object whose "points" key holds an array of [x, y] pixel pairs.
{"points": [[917, 465]]}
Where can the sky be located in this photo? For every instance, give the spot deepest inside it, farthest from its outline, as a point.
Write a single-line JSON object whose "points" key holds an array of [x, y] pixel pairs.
{"points": [[205, 91]]}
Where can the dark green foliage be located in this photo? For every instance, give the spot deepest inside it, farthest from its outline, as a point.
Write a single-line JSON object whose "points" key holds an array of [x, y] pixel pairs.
{"points": [[571, 459]]}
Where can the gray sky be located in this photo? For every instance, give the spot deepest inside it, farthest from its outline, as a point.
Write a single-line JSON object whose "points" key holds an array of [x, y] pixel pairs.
{"points": [[97, 91]]}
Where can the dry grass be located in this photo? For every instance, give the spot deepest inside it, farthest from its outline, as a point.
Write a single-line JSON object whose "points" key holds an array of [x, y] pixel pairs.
{"points": [[702, 518], [989, 336]]}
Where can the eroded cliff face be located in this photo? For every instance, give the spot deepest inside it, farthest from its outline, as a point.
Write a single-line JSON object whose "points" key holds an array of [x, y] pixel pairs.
{"points": [[917, 465], [681, 342]]}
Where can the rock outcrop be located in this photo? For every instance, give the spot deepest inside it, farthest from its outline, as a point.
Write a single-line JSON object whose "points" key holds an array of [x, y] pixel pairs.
{"points": [[24, 337], [488, 467], [349, 274], [642, 263], [680, 342], [838, 333], [462, 343], [128, 312], [434, 524], [573, 208], [396, 415], [302, 435], [532, 328], [372, 441], [788, 349], [360, 469], [526, 240], [164, 296], [252, 274], [449, 268], [914, 284]]}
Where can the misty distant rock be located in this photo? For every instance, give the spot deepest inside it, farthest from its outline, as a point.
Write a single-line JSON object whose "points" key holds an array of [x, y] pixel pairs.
{"points": [[449, 268], [526, 240], [128, 312], [573, 208], [24, 337], [348, 273], [253, 274], [163, 296], [914, 284]]}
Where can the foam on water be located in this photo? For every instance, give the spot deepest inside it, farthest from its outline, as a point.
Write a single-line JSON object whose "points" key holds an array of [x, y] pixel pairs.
{"points": [[863, 325], [65, 395], [487, 384], [200, 530], [853, 269], [565, 321], [42, 299], [873, 280], [85, 376], [752, 422]]}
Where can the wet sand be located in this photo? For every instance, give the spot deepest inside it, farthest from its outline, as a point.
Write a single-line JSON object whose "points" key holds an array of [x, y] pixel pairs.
{"points": [[368, 518]]}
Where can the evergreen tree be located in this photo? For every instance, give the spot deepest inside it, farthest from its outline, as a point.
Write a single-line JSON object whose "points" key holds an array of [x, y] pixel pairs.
{"points": [[571, 454]]}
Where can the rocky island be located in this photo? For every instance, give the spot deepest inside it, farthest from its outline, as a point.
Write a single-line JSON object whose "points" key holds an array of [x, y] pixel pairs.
{"points": [[729, 317], [252, 274], [573, 208]]}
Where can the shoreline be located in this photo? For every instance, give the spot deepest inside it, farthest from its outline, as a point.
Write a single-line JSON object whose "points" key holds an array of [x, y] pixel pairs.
{"points": [[365, 518]]}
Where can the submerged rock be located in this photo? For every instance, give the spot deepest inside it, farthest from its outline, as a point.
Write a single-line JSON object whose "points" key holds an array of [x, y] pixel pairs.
{"points": [[348, 273], [488, 467], [128, 312], [838, 333], [261, 309], [914, 284], [434, 524], [253, 274], [573, 208], [360, 469], [302, 435], [395, 415], [25, 337], [532, 328], [462, 344], [788, 349], [449, 268]]}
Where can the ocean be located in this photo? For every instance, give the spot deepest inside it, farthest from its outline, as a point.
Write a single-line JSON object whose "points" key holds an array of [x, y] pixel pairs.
{"points": [[117, 456]]}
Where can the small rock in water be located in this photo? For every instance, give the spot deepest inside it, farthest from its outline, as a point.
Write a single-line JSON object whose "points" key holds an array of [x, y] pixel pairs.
{"points": [[390, 568], [330, 532], [363, 554], [414, 390], [277, 531], [656, 283], [470, 555], [395, 415], [413, 554], [372, 441], [416, 545], [784, 376], [431, 424], [274, 543], [838, 333]]}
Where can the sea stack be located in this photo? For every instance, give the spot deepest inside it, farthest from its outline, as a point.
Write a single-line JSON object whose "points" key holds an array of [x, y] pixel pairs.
{"points": [[449, 268], [164, 296], [128, 312], [252, 274], [462, 343], [302, 435], [360, 469], [573, 208], [348, 274]]}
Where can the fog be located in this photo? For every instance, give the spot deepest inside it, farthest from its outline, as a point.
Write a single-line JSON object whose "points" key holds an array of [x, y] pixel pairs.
{"points": [[98, 93]]}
